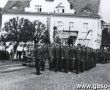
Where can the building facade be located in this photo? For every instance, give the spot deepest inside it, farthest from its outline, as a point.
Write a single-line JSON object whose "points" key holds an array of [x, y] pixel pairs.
{"points": [[105, 35], [61, 16]]}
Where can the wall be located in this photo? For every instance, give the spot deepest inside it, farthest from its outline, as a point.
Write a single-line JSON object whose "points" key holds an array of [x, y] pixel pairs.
{"points": [[93, 24]]}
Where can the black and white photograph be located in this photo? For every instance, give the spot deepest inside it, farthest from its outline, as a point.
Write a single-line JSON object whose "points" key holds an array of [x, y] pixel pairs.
{"points": [[54, 44]]}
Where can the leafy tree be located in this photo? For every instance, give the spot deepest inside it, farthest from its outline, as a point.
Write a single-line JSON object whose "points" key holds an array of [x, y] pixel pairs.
{"points": [[23, 30], [0, 16], [39, 32]]}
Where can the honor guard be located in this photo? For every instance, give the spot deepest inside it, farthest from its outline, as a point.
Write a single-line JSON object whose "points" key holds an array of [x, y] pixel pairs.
{"points": [[43, 57], [50, 56], [77, 60]]}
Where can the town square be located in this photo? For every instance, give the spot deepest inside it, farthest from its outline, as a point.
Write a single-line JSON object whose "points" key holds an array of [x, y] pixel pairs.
{"points": [[54, 45]]}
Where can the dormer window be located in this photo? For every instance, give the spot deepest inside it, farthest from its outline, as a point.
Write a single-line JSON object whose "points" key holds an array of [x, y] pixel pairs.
{"points": [[38, 8], [87, 9], [60, 9], [63, 10], [14, 8]]}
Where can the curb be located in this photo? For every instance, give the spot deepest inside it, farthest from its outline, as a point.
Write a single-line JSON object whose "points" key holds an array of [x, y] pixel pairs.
{"points": [[13, 69]]}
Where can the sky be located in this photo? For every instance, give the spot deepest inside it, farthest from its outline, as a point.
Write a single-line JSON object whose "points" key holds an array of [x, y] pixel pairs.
{"points": [[104, 8]]}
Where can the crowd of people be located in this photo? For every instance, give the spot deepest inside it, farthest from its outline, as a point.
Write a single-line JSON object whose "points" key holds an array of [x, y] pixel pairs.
{"points": [[69, 58], [59, 57], [8, 52], [4, 54]]}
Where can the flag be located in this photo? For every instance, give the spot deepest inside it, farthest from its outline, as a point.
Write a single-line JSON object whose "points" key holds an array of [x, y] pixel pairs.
{"points": [[87, 34], [58, 5]]}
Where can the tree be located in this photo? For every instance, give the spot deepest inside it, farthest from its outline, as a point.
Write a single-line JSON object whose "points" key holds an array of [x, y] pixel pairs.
{"points": [[23, 30], [39, 32], [0, 17]]}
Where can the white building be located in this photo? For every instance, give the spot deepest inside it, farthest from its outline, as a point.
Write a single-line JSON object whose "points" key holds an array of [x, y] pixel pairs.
{"points": [[82, 22]]}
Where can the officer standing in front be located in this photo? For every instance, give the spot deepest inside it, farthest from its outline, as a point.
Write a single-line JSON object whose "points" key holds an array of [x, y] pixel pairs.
{"points": [[37, 59]]}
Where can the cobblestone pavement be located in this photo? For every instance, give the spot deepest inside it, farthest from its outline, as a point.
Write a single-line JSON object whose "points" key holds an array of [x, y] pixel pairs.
{"points": [[26, 79]]}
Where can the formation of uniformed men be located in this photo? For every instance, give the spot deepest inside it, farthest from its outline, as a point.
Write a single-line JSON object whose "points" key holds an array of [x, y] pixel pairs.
{"points": [[103, 56], [65, 58]]}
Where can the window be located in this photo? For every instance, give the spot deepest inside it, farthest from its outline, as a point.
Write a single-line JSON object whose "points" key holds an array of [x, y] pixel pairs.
{"points": [[85, 25], [60, 9], [38, 8], [71, 6], [87, 9], [63, 10], [60, 25], [71, 25]]}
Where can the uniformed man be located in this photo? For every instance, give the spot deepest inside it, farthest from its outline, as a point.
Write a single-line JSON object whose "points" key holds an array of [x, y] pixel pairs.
{"points": [[98, 56], [102, 56], [71, 58], [37, 59], [84, 57], [90, 60], [74, 54], [67, 52], [94, 58], [65, 60], [82, 64], [108, 55], [56, 57], [60, 57], [50, 56], [87, 59], [77, 60], [42, 62]]}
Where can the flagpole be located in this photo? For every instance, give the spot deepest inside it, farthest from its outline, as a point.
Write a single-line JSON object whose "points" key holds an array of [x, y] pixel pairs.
{"points": [[69, 31], [87, 35]]}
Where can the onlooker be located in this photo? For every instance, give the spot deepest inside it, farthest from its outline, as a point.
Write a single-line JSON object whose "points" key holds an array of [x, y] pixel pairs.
{"points": [[19, 51]]}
